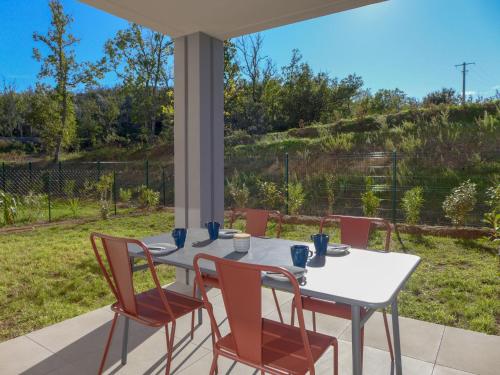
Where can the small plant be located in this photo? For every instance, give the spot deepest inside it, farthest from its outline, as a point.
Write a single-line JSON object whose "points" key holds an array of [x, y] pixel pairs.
{"points": [[296, 197], [270, 194], [74, 206], [104, 187], [125, 195], [330, 191], [239, 192], [460, 203], [32, 206], [148, 198], [9, 208], [492, 218], [412, 203], [69, 188], [371, 202]]}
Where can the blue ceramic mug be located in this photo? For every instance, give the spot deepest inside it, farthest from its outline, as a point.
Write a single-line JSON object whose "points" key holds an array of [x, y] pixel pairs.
{"points": [[213, 229], [320, 243], [300, 254], [179, 235]]}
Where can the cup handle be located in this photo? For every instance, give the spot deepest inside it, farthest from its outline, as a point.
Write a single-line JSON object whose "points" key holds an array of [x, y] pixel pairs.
{"points": [[310, 253]]}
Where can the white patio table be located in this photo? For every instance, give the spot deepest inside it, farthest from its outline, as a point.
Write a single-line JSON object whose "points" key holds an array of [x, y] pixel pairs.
{"points": [[364, 279]]}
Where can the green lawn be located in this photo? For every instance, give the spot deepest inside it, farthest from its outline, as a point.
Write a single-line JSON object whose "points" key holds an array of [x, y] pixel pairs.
{"points": [[50, 274]]}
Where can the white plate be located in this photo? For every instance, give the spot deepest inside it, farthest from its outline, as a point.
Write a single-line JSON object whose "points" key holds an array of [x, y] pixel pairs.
{"points": [[228, 233], [337, 249], [161, 248], [296, 271]]}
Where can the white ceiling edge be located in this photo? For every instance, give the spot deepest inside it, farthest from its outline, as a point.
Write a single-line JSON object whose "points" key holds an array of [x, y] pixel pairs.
{"points": [[119, 9]]}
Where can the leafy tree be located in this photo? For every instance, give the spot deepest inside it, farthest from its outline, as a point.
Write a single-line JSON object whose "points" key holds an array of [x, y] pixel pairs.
{"points": [[12, 108], [140, 58], [460, 202], [444, 96], [59, 65]]}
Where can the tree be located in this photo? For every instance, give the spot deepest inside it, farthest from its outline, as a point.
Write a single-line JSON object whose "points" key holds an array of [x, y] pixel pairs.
{"points": [[12, 107], [444, 96], [59, 65], [140, 58]]}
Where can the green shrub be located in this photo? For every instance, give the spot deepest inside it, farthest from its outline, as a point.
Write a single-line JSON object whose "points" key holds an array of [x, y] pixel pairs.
{"points": [[371, 202], [125, 195], [104, 188], [460, 203], [270, 194], [74, 206], [33, 205], [9, 208], [412, 203], [69, 188], [238, 191], [330, 191], [147, 198], [296, 197]]}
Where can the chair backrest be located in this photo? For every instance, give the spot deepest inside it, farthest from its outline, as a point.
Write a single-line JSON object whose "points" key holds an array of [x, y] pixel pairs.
{"points": [[355, 230], [256, 221], [121, 281], [241, 289]]}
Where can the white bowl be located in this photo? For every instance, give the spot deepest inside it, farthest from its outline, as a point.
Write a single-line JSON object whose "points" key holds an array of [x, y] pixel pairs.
{"points": [[241, 242]]}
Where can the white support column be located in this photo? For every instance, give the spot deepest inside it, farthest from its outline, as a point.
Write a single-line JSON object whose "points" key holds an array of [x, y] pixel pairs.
{"points": [[199, 130]]}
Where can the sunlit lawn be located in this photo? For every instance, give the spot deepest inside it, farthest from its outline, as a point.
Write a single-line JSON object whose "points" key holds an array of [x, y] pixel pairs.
{"points": [[50, 274]]}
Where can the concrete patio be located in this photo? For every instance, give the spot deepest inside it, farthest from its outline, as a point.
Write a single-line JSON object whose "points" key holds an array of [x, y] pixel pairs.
{"points": [[75, 347]]}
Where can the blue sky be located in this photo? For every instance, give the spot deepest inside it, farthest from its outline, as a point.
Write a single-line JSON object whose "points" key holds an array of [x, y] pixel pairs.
{"points": [[409, 44]]}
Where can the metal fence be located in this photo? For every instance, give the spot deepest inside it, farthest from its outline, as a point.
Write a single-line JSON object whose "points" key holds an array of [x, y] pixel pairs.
{"points": [[341, 176], [391, 174], [64, 181]]}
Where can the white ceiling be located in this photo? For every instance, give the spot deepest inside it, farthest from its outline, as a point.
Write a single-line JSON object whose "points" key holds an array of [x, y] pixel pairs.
{"points": [[221, 19]]}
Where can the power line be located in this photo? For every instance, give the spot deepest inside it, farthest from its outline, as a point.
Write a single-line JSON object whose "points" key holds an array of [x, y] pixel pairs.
{"points": [[464, 72]]}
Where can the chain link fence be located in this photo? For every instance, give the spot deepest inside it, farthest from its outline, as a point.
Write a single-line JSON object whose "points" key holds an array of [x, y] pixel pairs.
{"points": [[328, 183]]}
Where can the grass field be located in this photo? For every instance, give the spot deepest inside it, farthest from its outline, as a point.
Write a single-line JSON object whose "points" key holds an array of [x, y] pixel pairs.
{"points": [[50, 274]]}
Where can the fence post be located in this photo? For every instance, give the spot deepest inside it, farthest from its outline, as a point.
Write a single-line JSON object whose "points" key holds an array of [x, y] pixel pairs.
{"points": [[146, 167], [60, 177], [3, 177], [163, 185], [114, 189], [286, 183], [394, 186], [48, 196], [98, 170], [30, 168]]}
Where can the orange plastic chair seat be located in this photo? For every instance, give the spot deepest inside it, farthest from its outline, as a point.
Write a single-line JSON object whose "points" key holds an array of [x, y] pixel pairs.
{"points": [[339, 310], [282, 346], [150, 308]]}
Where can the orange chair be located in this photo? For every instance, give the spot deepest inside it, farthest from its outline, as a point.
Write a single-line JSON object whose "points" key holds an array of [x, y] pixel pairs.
{"points": [[354, 231], [256, 221], [156, 307], [264, 344], [256, 225]]}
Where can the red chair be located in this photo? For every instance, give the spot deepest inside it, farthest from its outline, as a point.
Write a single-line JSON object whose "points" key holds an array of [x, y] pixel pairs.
{"points": [[264, 344], [256, 221], [354, 231], [256, 225], [156, 307]]}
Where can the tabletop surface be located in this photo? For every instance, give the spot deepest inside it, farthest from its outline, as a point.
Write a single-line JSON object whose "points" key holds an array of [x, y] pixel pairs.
{"points": [[362, 277]]}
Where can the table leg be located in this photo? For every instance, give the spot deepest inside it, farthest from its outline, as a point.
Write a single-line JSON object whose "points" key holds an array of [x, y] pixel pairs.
{"points": [[396, 338], [356, 340], [200, 311], [125, 341]]}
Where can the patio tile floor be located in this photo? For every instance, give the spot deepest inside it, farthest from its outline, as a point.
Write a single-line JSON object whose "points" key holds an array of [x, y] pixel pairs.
{"points": [[75, 346]]}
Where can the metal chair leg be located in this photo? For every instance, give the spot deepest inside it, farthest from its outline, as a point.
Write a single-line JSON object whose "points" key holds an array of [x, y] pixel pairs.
{"points": [[192, 314], [108, 343], [388, 334], [214, 364], [277, 305], [170, 347], [292, 320], [335, 357]]}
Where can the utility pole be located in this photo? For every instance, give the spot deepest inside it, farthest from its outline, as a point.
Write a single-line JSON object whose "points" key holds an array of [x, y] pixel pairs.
{"points": [[464, 72]]}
